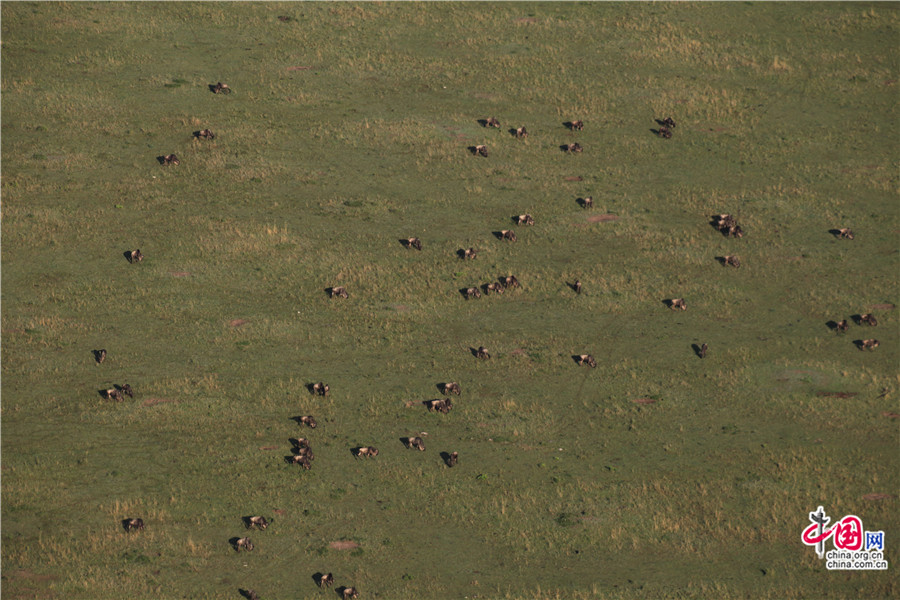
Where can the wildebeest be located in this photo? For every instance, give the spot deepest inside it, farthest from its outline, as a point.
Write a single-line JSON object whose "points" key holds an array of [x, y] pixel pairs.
{"points": [[133, 524], [521, 132], [577, 286], [299, 459], [664, 132], [868, 319], [415, 442], [413, 242], [257, 522], [732, 261], [221, 88], [524, 219], [452, 459], [349, 593], [667, 122], [367, 451], [308, 420], [113, 394], [471, 253], [339, 291], [326, 580], [703, 349], [727, 225], [126, 389], [587, 202], [510, 281], [169, 159], [481, 150], [491, 122], [100, 356], [299, 443], [496, 288], [845, 234], [135, 256], [482, 353], [243, 543], [842, 326], [472, 292], [441, 405], [676, 303], [868, 344], [449, 388], [320, 389], [508, 234], [576, 125], [586, 359], [249, 594], [574, 147], [205, 134]]}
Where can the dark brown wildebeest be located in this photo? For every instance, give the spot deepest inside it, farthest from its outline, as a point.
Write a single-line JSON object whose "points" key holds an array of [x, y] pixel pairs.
{"points": [[868, 344], [577, 286], [415, 442], [868, 319], [452, 459], [326, 580], [586, 359], [249, 594], [587, 202], [113, 394], [842, 326], [339, 291], [508, 234], [482, 353], [845, 234], [471, 253], [299, 459], [727, 225], [133, 524], [676, 303], [135, 256], [299, 443], [509, 281], [441, 405], [667, 122], [126, 389], [220, 88], [703, 349], [732, 261], [413, 242], [349, 593], [449, 388], [243, 543], [321, 389], [574, 147], [169, 159], [521, 132], [664, 132], [575, 125], [308, 420], [491, 122], [256, 522], [472, 292], [490, 287], [100, 356], [524, 219], [480, 150], [205, 134], [366, 451]]}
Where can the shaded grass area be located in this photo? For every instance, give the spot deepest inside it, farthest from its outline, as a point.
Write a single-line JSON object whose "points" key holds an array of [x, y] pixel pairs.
{"points": [[567, 486]]}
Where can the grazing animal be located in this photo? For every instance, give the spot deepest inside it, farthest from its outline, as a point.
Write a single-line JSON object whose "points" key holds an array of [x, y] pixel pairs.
{"points": [[135, 256], [414, 242], [587, 359], [732, 261], [300, 443], [868, 319], [350, 593], [450, 388], [676, 303], [508, 234], [472, 292], [100, 356], [842, 326], [134, 524], [243, 543], [471, 253], [441, 405], [845, 234], [257, 522], [481, 150], [491, 122], [664, 132], [170, 159], [367, 451], [415, 442], [326, 580], [727, 225], [250, 595], [576, 147], [338, 291], [525, 220], [113, 394], [668, 122], [299, 459], [588, 202], [126, 389], [869, 344], [577, 286], [205, 134], [452, 459], [576, 125], [320, 389], [521, 132], [496, 288], [309, 421], [510, 281], [482, 353], [221, 88], [703, 350]]}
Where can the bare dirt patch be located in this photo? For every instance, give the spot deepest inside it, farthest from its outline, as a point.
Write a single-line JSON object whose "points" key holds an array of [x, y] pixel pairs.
{"points": [[299, 68], [836, 394], [152, 401], [574, 178], [518, 351], [279, 511], [411, 403], [878, 496], [31, 576], [238, 322], [644, 401], [180, 274], [344, 545], [525, 20], [399, 307], [268, 447], [602, 218], [885, 306], [890, 414]]}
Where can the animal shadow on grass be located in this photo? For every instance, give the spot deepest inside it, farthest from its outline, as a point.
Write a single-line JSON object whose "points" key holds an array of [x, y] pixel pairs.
{"points": [[234, 543], [832, 325], [464, 292], [859, 344], [474, 351], [247, 522], [448, 459], [721, 260], [698, 350], [473, 149], [669, 303], [857, 319], [498, 234], [835, 232], [312, 390], [583, 203], [575, 287], [483, 122], [99, 355], [577, 359], [322, 580], [127, 255], [126, 524], [512, 131]]}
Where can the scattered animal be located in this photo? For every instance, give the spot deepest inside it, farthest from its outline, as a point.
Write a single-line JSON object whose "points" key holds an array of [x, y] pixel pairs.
{"points": [[301, 445], [135, 256], [508, 234], [577, 286], [868, 344], [842, 326], [664, 132], [326, 580], [452, 459], [727, 225], [703, 349], [575, 147], [100, 356], [586, 359], [415, 442], [491, 122], [472, 292], [205, 134], [576, 125], [133, 524], [320, 389], [524, 220], [349, 593], [471, 253], [243, 544], [257, 522], [169, 159], [221, 88], [868, 319], [338, 291], [113, 394], [367, 451], [299, 459], [521, 132], [441, 405], [496, 288], [845, 234], [482, 353], [587, 202], [667, 122], [308, 420], [126, 389], [676, 303], [413, 242], [450, 388], [481, 150], [510, 281], [249, 594], [732, 261]]}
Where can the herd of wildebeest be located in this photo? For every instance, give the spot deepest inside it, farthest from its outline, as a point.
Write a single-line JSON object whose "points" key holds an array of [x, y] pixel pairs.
{"points": [[302, 453]]}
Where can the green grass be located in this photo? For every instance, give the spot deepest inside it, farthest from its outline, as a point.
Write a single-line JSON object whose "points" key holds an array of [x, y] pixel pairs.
{"points": [[565, 487]]}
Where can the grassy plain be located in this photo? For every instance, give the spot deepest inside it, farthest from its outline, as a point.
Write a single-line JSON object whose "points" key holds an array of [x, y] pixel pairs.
{"points": [[346, 131]]}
